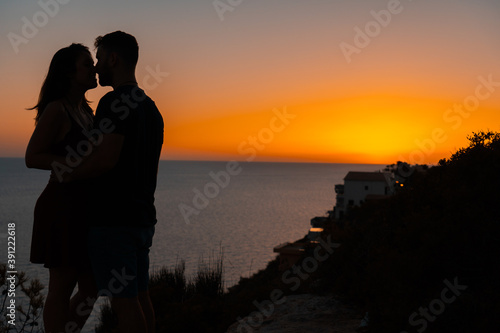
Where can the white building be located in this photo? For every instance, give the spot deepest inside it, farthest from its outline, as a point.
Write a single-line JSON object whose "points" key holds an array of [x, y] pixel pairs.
{"points": [[357, 186]]}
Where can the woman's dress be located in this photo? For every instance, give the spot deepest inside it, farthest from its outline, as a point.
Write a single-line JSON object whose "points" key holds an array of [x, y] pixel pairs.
{"points": [[60, 225]]}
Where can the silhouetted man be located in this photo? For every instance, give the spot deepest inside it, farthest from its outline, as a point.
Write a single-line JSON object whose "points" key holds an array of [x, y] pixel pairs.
{"points": [[128, 135]]}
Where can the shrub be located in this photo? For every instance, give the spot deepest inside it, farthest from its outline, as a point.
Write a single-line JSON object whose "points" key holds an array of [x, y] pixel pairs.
{"points": [[396, 253], [27, 316]]}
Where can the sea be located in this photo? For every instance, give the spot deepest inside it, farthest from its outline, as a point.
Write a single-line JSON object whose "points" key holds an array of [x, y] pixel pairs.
{"points": [[205, 210]]}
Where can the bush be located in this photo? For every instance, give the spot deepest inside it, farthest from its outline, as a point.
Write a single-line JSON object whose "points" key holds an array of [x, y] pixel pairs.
{"points": [[27, 316], [396, 253]]}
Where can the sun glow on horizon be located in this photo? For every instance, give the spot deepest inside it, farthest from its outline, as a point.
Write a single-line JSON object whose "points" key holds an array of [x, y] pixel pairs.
{"points": [[367, 129]]}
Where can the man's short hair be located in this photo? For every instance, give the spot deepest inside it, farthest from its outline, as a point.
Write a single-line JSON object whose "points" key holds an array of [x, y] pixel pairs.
{"points": [[123, 44]]}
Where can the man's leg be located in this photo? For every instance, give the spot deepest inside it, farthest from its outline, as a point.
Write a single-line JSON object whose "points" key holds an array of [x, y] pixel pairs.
{"points": [[120, 258], [82, 302], [147, 309], [113, 253], [146, 241], [130, 315]]}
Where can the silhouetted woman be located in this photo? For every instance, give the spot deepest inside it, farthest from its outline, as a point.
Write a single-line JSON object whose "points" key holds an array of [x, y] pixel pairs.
{"points": [[59, 230]]}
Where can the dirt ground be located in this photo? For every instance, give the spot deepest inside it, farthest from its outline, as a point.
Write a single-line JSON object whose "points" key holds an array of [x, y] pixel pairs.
{"points": [[300, 314]]}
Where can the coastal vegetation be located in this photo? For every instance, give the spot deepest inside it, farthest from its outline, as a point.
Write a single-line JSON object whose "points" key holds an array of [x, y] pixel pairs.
{"points": [[15, 315], [426, 258]]}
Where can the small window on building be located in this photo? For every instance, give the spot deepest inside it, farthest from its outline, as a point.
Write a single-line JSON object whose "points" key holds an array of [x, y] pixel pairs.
{"points": [[366, 187], [351, 202]]}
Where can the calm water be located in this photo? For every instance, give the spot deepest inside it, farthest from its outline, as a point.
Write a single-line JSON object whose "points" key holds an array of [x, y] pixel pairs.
{"points": [[245, 214]]}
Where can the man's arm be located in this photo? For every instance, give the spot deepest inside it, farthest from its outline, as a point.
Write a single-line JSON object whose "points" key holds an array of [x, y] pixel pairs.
{"points": [[103, 158]]}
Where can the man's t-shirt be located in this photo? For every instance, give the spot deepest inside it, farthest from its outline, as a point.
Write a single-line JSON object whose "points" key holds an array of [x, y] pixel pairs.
{"points": [[124, 196]]}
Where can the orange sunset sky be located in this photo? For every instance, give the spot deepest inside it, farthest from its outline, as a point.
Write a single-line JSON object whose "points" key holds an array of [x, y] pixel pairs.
{"points": [[283, 80]]}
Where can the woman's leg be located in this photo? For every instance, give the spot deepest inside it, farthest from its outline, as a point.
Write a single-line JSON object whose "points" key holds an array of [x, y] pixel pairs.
{"points": [[62, 281], [82, 302]]}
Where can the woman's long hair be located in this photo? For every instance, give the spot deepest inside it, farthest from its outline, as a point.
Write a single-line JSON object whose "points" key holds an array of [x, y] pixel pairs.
{"points": [[57, 83]]}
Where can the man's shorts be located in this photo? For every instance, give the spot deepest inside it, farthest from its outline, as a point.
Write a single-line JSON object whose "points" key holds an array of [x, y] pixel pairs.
{"points": [[120, 259]]}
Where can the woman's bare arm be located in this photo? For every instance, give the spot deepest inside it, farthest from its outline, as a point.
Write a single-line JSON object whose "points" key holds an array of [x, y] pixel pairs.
{"points": [[52, 127]]}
